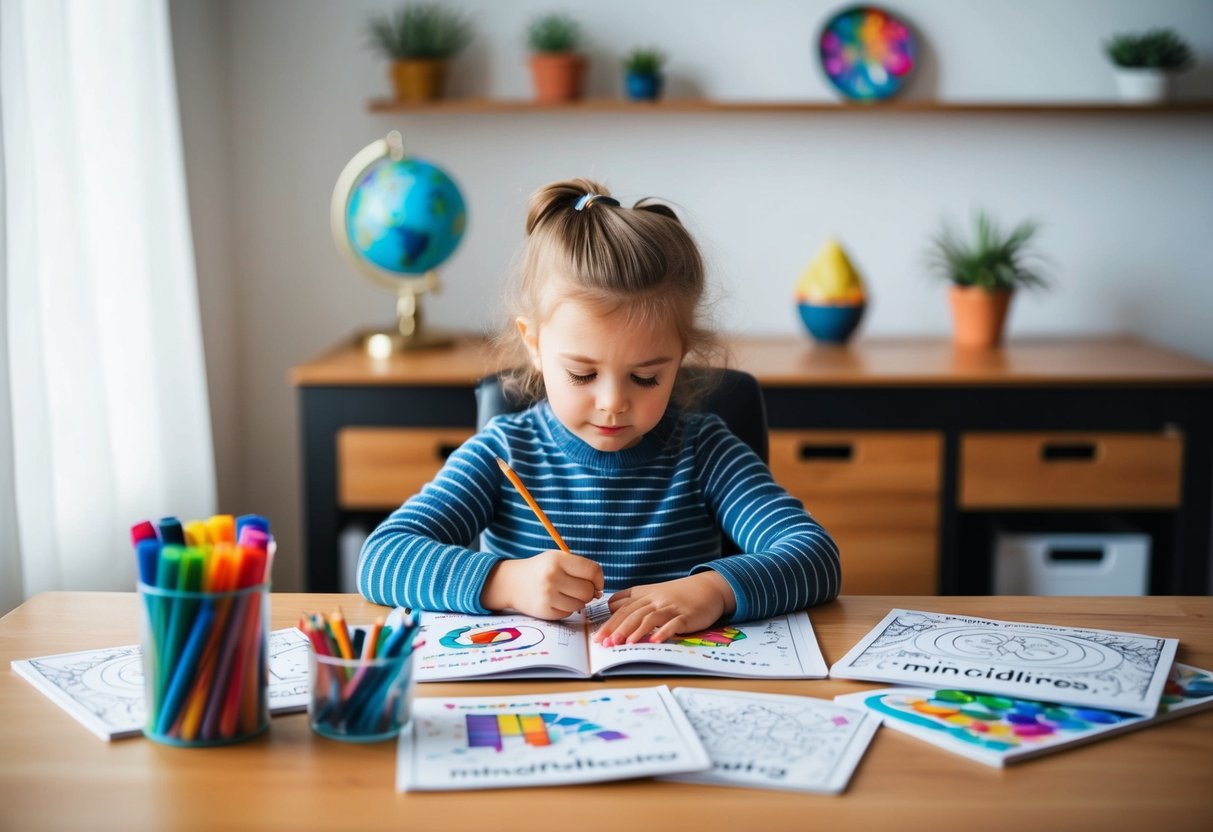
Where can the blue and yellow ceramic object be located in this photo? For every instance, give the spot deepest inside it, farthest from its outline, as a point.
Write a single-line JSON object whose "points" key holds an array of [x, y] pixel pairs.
{"points": [[830, 295]]}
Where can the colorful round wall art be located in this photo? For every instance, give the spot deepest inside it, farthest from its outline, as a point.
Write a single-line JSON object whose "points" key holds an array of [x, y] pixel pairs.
{"points": [[867, 53]]}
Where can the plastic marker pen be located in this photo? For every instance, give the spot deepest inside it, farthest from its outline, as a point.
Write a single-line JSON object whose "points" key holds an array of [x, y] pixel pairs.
{"points": [[222, 528], [171, 531], [253, 521], [147, 553], [143, 530]]}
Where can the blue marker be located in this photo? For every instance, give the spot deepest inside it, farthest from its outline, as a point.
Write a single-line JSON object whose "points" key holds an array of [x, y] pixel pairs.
{"points": [[147, 551], [184, 674], [255, 521]]}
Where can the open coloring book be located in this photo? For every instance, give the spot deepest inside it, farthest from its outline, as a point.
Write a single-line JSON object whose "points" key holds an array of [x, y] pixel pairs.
{"points": [[103, 689], [460, 647], [997, 730], [1089, 668], [538, 739], [767, 741]]}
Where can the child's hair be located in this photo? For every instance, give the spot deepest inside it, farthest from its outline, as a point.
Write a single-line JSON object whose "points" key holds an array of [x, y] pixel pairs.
{"points": [[639, 261]]}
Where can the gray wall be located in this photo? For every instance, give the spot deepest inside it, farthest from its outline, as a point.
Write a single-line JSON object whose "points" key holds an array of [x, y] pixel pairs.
{"points": [[273, 96]]}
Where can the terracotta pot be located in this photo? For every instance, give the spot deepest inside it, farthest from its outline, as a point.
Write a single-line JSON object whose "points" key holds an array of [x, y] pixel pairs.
{"points": [[557, 76], [418, 79], [978, 315]]}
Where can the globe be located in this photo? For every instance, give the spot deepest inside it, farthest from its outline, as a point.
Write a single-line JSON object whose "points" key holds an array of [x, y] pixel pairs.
{"points": [[405, 217], [397, 218]]}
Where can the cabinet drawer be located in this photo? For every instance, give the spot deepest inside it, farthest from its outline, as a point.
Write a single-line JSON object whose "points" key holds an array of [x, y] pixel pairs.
{"points": [[877, 493], [380, 468], [1070, 470], [893, 562]]}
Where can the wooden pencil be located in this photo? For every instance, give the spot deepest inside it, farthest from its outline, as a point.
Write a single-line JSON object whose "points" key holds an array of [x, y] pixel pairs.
{"points": [[530, 501]]}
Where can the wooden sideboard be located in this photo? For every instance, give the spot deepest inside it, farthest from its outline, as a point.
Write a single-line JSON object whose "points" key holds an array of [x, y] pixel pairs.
{"points": [[912, 452]]}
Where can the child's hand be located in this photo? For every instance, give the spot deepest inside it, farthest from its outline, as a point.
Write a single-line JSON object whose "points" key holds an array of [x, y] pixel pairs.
{"points": [[548, 585], [656, 612]]}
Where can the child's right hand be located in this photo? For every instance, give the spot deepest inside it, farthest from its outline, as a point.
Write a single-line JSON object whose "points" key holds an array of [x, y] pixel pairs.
{"points": [[549, 585]]}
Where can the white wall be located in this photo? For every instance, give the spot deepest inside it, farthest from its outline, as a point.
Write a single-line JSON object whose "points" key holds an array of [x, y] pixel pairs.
{"points": [[274, 94]]}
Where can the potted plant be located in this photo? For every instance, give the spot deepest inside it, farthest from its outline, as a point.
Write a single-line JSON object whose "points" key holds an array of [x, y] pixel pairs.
{"points": [[985, 271], [1144, 63], [419, 40], [642, 76], [557, 68]]}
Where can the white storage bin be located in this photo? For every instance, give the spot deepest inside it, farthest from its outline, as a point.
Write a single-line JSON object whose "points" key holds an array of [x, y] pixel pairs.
{"points": [[1071, 564]]}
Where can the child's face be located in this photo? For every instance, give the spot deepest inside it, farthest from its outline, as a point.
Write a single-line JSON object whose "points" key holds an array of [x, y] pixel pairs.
{"points": [[607, 382]]}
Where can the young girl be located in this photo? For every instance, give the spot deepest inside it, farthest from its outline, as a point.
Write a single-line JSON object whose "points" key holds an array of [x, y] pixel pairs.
{"points": [[639, 488]]}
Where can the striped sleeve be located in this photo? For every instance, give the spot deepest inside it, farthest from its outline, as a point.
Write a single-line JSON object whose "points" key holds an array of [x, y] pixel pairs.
{"points": [[420, 556], [788, 560]]}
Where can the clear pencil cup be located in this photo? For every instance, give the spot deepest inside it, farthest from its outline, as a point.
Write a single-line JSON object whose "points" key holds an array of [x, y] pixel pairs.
{"points": [[204, 664], [360, 700]]}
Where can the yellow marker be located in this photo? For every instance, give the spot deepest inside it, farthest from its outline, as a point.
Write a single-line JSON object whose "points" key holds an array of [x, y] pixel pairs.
{"points": [[196, 533]]}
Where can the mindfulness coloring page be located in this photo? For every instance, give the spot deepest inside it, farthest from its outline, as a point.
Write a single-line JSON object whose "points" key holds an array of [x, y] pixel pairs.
{"points": [[480, 742], [103, 689], [760, 740], [997, 730], [1097, 668]]}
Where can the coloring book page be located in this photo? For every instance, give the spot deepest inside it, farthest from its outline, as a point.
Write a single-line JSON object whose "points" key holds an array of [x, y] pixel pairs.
{"points": [[512, 646], [761, 740], [997, 730], [485, 742], [103, 689], [1097, 668]]}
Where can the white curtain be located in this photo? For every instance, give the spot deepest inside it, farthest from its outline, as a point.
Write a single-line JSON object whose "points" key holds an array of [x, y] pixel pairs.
{"points": [[104, 417]]}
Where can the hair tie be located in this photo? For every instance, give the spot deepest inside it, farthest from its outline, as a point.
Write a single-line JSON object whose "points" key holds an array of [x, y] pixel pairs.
{"points": [[587, 200]]}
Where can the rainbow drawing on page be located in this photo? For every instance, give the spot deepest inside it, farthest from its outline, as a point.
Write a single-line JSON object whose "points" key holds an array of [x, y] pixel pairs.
{"points": [[1184, 684], [518, 638], [717, 637], [999, 723], [542, 739], [998, 729], [537, 730]]}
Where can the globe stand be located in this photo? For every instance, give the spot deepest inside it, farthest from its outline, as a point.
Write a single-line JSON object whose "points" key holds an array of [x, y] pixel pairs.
{"points": [[409, 334]]}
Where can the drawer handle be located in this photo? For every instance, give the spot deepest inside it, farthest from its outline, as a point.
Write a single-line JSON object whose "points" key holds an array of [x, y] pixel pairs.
{"points": [[1068, 451], [840, 451], [445, 449], [1076, 555]]}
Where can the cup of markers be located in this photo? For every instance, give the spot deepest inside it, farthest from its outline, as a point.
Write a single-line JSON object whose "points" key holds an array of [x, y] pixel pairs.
{"points": [[204, 625], [361, 678]]}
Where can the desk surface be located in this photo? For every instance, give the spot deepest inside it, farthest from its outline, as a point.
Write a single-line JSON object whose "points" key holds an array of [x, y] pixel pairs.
{"points": [[797, 361], [55, 774]]}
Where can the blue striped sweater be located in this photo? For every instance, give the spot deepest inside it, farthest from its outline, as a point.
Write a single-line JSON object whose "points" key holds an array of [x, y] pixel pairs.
{"points": [[653, 512]]}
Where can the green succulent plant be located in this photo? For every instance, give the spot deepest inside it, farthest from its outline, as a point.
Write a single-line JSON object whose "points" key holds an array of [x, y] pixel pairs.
{"points": [[644, 61], [990, 259], [422, 30], [1155, 49], [554, 32]]}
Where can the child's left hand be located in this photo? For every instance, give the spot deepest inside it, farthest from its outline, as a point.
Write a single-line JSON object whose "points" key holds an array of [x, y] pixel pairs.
{"points": [[656, 612]]}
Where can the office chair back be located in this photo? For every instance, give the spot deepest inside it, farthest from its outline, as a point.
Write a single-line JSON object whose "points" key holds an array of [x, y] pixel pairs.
{"points": [[735, 397]]}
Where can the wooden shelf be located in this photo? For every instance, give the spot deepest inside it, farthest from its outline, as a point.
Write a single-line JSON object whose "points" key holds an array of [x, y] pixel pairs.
{"points": [[696, 105]]}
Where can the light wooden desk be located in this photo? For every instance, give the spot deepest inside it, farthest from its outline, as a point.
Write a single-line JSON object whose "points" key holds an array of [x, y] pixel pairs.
{"points": [[56, 775]]}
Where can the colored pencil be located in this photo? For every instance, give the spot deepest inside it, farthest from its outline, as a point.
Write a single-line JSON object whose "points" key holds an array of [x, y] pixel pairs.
{"points": [[530, 501]]}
